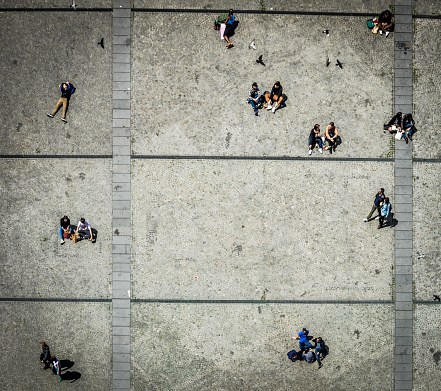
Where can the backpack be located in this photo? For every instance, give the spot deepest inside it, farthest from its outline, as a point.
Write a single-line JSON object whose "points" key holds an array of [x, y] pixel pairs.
{"points": [[293, 355]]}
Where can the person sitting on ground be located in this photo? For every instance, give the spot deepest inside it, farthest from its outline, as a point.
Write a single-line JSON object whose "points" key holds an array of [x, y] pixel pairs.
{"points": [[303, 339], [65, 229], [274, 98], [409, 126], [229, 29], [385, 210], [314, 138], [254, 97], [84, 230], [320, 347], [394, 124], [385, 24], [310, 357], [331, 136]]}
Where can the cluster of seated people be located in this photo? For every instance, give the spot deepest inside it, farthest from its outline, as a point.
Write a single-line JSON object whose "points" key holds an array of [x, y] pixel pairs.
{"points": [[307, 352], [329, 141], [403, 126], [75, 233], [269, 100]]}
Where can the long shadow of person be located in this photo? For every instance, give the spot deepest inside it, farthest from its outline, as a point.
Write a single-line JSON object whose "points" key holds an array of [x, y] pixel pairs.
{"points": [[71, 376], [66, 364]]}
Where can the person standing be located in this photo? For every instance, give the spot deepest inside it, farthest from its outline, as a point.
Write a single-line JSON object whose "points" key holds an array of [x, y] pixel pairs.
{"points": [[274, 98], [56, 368], [303, 339], [385, 210], [378, 199], [67, 90], [84, 229], [45, 356]]}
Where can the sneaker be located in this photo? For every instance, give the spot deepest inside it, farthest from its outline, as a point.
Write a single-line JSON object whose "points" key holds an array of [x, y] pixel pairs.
{"points": [[275, 107], [256, 113], [409, 137], [387, 33], [381, 32], [62, 241], [90, 239], [310, 151], [50, 115], [269, 107], [320, 150], [407, 140], [320, 366], [365, 220], [377, 218], [63, 119]]}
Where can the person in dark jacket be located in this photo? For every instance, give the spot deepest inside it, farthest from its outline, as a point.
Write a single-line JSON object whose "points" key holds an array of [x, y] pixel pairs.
{"points": [[320, 347], [385, 24], [409, 126], [45, 356], [314, 138], [67, 90], [65, 228], [394, 125], [378, 200], [274, 98]]}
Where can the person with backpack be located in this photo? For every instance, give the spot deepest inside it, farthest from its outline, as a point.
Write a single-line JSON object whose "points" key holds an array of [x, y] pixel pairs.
{"points": [[67, 90]]}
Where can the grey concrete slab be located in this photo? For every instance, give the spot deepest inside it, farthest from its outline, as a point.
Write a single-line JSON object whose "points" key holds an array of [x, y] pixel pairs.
{"points": [[121, 140], [226, 125], [121, 113], [121, 204], [402, 10], [122, 4], [403, 81], [404, 108], [121, 258], [121, 30], [125, 322], [403, 306], [121, 76], [121, 151], [427, 347], [121, 85], [121, 67], [403, 226], [44, 191], [121, 240], [404, 314], [121, 366], [122, 313], [406, 91], [122, 231], [402, 189], [121, 132], [25, 60], [209, 359], [210, 223], [403, 341], [427, 229], [121, 122], [121, 267], [427, 73], [124, 187], [403, 288], [122, 12], [72, 331], [120, 22], [118, 375], [121, 303], [121, 39], [403, 261]]}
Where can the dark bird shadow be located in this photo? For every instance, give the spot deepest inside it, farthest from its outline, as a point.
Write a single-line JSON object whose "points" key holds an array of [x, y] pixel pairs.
{"points": [[101, 43], [339, 64], [260, 61], [71, 376]]}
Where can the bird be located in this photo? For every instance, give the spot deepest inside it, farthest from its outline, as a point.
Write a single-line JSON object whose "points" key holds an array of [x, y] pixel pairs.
{"points": [[326, 32], [328, 62], [101, 43], [339, 64], [435, 297], [73, 5], [260, 61], [421, 255], [252, 46]]}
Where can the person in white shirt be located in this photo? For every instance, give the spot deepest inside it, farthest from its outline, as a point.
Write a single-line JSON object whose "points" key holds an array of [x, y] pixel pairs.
{"points": [[84, 229]]}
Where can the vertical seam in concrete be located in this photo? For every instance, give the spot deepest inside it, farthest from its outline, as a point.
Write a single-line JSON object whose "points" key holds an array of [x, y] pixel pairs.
{"points": [[403, 205], [121, 195]]}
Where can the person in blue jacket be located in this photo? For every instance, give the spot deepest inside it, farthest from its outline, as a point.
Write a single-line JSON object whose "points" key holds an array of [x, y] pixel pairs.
{"points": [[229, 29], [385, 210], [67, 90]]}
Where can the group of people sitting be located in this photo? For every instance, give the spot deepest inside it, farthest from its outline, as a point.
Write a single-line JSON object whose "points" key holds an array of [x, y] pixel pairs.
{"points": [[331, 138], [82, 231], [403, 126], [383, 24], [269, 100], [307, 352]]}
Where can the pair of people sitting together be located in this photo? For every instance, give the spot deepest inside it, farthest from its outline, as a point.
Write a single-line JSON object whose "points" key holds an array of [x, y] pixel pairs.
{"points": [[331, 137], [402, 126], [82, 231], [306, 352], [272, 99]]}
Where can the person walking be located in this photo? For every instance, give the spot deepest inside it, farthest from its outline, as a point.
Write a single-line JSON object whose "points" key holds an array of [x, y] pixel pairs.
{"points": [[67, 90], [56, 368], [45, 355], [385, 210], [378, 199]]}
